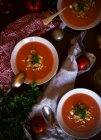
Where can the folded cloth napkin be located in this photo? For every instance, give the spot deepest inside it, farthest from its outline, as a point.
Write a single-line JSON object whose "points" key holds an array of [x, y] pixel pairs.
{"points": [[62, 82]]}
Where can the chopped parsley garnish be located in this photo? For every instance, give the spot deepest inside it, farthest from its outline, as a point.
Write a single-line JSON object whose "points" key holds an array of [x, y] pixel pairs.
{"points": [[81, 6], [35, 59], [81, 112]]}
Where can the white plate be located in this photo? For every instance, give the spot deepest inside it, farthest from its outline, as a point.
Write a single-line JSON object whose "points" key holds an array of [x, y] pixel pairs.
{"points": [[41, 40], [59, 113]]}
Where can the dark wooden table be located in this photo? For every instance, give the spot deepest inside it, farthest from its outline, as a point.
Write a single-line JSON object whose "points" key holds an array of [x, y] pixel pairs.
{"points": [[85, 80]]}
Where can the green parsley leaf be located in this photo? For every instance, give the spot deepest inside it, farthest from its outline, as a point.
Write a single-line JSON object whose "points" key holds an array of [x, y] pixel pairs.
{"points": [[81, 6], [81, 112], [14, 111], [35, 59]]}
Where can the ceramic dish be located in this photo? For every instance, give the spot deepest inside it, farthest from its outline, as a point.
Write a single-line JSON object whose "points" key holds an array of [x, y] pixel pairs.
{"points": [[79, 113], [80, 15], [37, 57]]}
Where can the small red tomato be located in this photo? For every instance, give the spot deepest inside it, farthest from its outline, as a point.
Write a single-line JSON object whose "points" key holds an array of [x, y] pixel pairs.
{"points": [[34, 5], [83, 62], [38, 124]]}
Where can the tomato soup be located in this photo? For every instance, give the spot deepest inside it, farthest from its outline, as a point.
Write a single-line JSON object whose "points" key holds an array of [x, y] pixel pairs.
{"points": [[81, 12], [86, 115], [35, 59]]}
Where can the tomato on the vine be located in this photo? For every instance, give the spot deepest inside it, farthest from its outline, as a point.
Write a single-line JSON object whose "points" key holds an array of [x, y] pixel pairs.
{"points": [[38, 124], [83, 62], [34, 5]]}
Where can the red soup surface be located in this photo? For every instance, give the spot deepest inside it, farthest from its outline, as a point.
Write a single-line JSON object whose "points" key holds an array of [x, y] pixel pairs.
{"points": [[35, 59], [81, 12], [76, 121]]}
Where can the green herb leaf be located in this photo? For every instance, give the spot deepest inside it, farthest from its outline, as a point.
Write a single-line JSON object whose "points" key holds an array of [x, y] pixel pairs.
{"points": [[14, 111], [35, 59], [81, 6], [81, 112]]}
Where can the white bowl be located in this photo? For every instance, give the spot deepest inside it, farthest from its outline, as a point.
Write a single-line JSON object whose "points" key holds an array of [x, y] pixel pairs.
{"points": [[67, 130], [51, 48], [73, 26]]}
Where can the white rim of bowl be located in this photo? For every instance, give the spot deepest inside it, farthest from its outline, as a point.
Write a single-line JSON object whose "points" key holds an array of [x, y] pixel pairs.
{"points": [[96, 22], [41, 40], [70, 132]]}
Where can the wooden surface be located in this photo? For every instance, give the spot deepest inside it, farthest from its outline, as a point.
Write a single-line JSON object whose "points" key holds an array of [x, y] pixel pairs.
{"points": [[85, 80]]}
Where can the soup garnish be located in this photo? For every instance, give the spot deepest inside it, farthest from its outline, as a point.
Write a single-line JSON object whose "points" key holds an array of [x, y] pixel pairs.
{"points": [[34, 61], [80, 7], [80, 113]]}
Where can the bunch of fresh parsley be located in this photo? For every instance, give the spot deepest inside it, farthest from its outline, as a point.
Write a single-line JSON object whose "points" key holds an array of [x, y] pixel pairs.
{"points": [[14, 110]]}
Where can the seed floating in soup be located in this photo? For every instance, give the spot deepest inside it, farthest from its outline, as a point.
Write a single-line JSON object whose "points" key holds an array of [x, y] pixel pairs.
{"points": [[81, 113], [35, 59], [81, 12]]}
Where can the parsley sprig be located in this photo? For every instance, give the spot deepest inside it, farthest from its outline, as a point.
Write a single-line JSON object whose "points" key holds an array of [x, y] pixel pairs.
{"points": [[81, 112], [14, 111], [35, 59]]}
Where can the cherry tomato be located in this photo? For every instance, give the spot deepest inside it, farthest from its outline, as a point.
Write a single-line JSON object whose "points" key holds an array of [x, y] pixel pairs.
{"points": [[83, 62], [34, 5], [38, 124]]}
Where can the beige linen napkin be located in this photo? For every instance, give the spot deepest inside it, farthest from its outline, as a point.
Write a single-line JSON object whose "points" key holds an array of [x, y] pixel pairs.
{"points": [[62, 82]]}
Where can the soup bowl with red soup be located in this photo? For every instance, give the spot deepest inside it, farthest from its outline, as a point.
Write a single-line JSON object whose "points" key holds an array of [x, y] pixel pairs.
{"points": [[37, 57], [79, 113], [80, 14]]}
